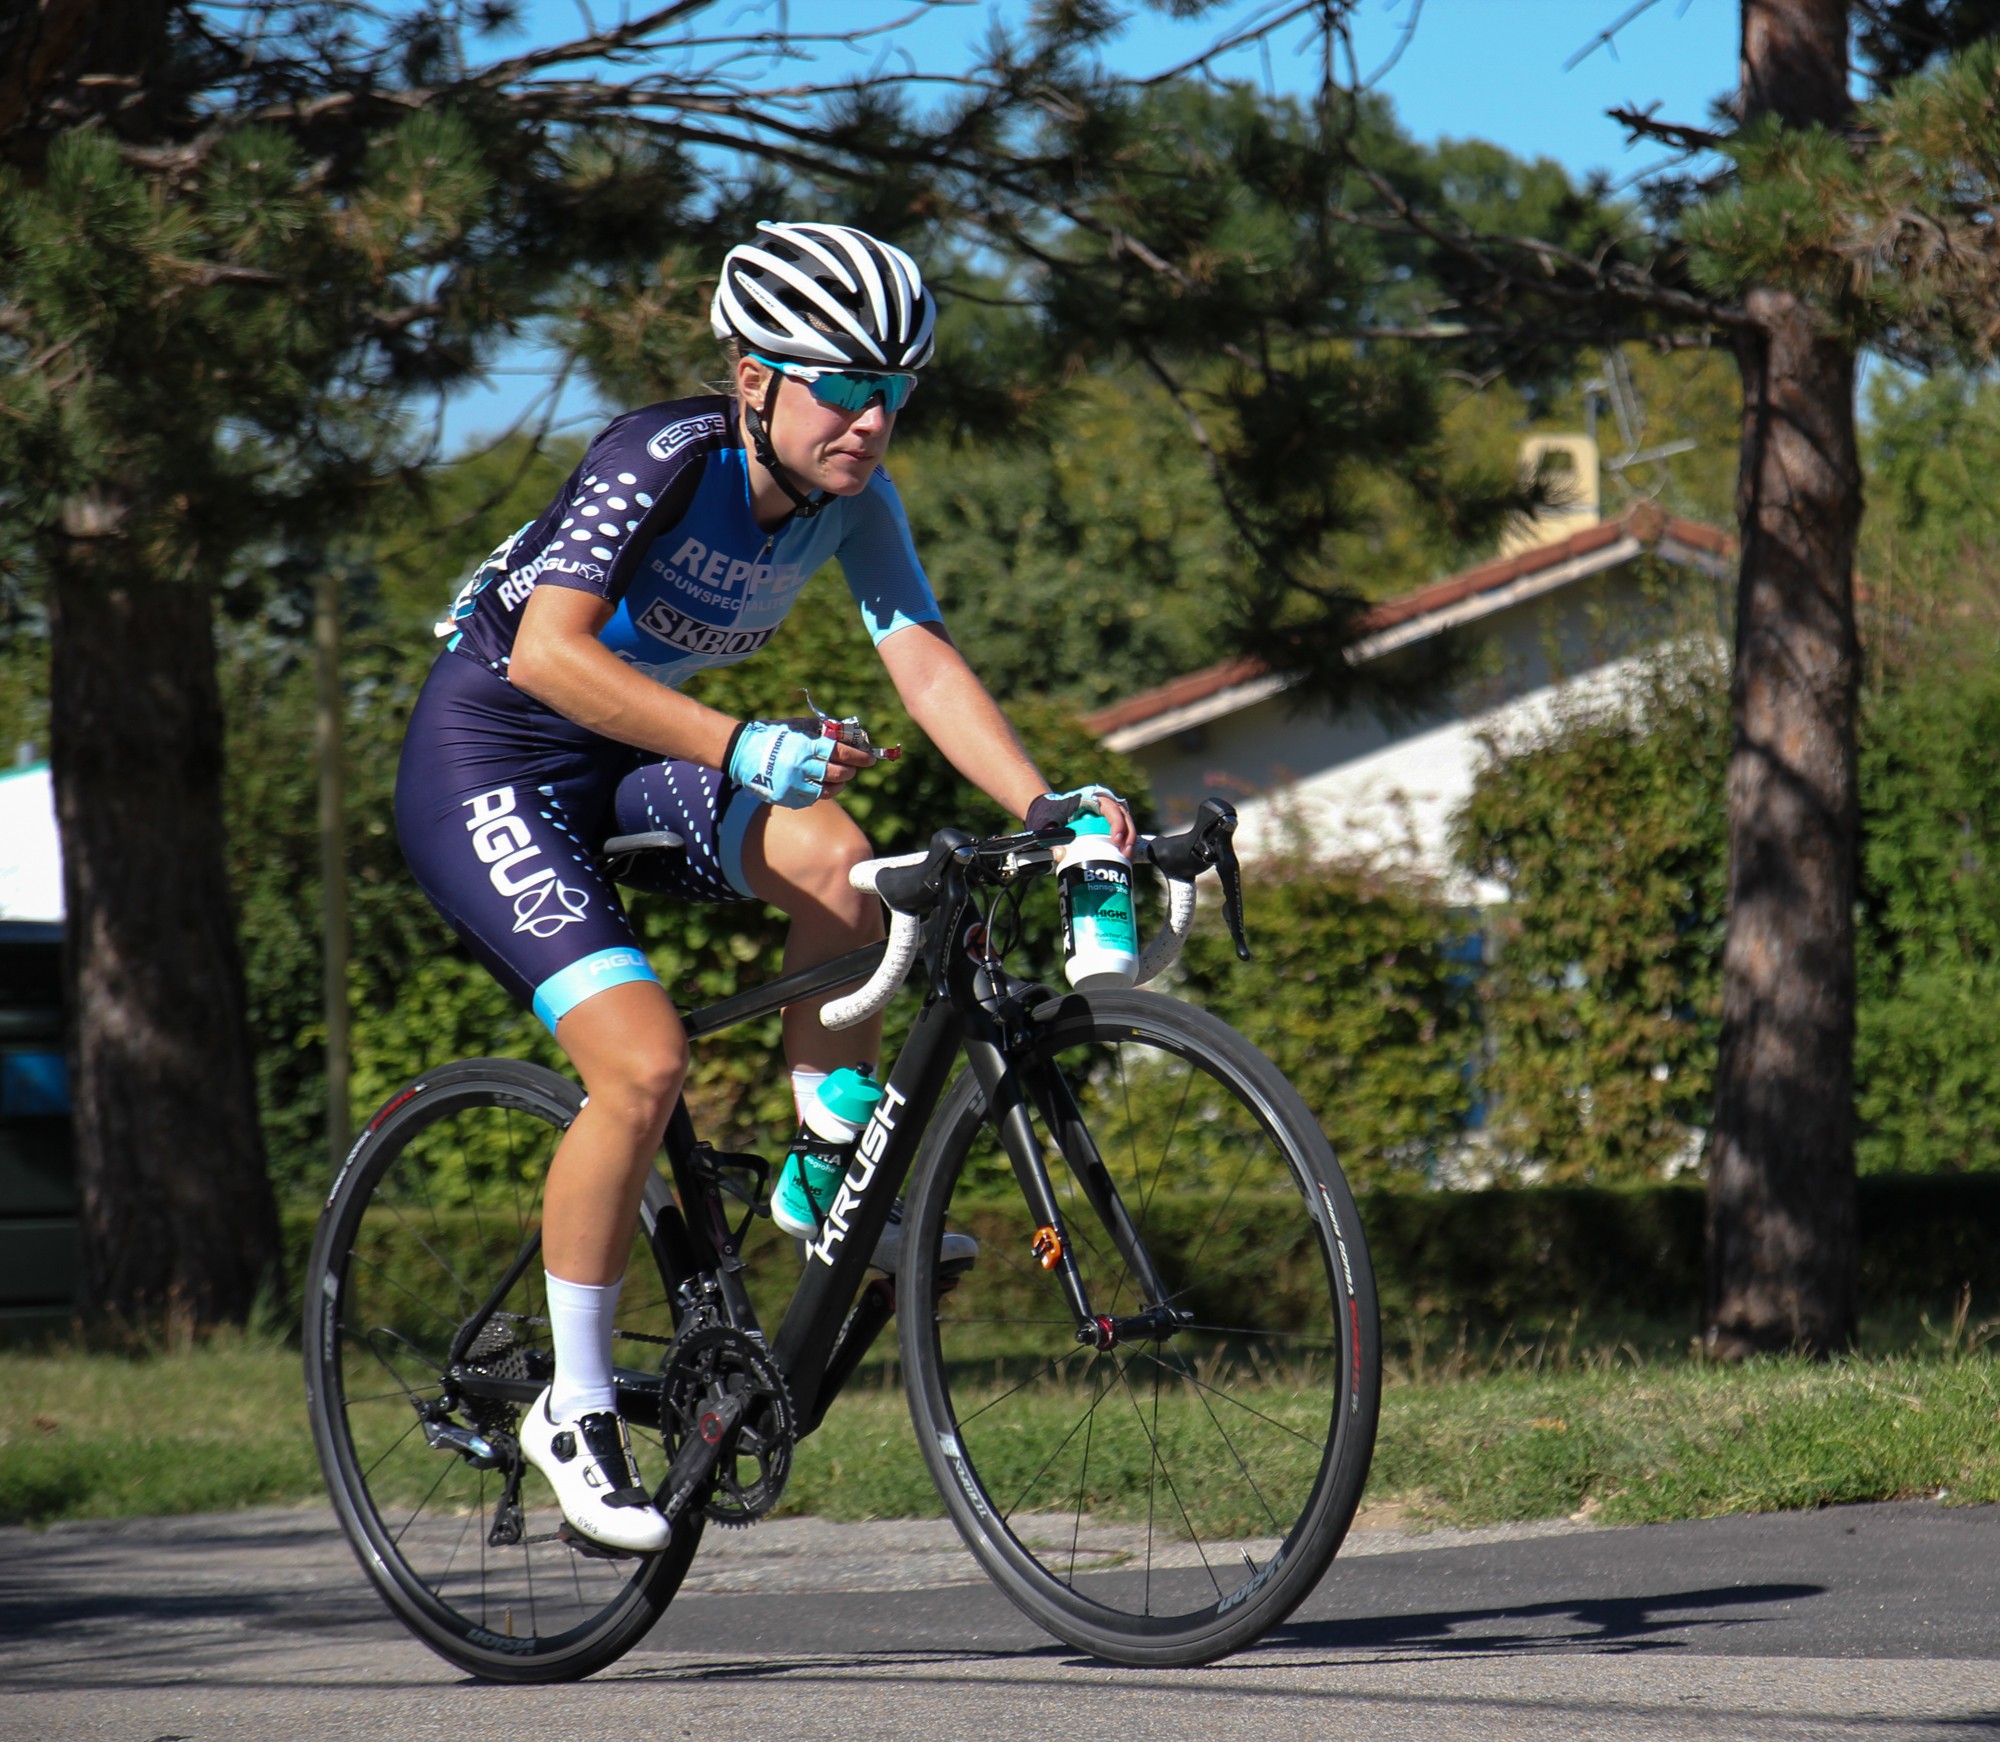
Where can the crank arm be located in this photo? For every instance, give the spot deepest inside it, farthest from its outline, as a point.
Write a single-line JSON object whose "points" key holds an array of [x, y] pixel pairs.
{"points": [[694, 1464]]}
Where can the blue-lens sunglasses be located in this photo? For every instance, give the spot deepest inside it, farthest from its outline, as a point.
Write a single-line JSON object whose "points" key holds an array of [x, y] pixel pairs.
{"points": [[848, 389]]}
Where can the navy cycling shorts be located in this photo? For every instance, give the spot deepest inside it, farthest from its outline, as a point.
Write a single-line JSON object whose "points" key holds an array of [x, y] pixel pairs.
{"points": [[502, 805]]}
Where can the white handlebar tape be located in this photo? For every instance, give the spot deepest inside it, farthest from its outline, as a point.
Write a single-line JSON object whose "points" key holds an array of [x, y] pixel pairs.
{"points": [[861, 1004], [901, 951], [863, 875], [864, 1001]]}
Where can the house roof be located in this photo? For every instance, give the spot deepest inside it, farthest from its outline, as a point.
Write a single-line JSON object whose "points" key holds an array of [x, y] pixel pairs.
{"points": [[1220, 689]]}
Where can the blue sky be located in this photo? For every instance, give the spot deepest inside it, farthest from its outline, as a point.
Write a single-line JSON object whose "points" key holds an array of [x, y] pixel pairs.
{"points": [[1485, 69]]}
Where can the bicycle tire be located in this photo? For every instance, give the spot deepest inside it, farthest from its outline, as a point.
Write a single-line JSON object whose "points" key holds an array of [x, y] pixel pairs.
{"points": [[1229, 1457], [432, 1204]]}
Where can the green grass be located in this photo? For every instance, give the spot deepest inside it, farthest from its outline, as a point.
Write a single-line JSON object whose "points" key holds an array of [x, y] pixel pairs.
{"points": [[88, 1435], [1632, 1445], [1520, 1434]]}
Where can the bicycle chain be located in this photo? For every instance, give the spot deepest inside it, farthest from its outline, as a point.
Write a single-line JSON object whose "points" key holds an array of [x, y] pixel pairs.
{"points": [[549, 1324]]}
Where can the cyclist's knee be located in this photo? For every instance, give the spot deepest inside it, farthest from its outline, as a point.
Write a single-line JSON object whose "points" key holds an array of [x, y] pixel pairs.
{"points": [[631, 1051], [639, 1092], [803, 863], [826, 889]]}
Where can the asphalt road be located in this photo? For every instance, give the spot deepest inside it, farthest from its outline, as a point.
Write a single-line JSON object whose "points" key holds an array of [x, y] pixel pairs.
{"points": [[1876, 1622]]}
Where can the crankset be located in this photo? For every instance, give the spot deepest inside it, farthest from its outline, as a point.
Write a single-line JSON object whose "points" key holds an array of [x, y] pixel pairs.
{"points": [[726, 1411]]}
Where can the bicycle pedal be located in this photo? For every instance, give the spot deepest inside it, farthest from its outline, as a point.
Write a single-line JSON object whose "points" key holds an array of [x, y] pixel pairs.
{"points": [[588, 1547]]}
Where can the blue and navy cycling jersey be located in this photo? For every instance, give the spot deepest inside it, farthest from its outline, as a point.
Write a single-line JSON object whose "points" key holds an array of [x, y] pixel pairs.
{"points": [[657, 521], [502, 803]]}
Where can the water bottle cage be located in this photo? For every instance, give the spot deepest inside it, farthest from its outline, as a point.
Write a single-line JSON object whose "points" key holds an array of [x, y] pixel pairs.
{"points": [[810, 1144]]}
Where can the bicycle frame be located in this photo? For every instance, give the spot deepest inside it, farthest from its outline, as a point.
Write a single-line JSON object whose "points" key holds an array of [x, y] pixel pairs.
{"points": [[835, 1314], [832, 1318]]}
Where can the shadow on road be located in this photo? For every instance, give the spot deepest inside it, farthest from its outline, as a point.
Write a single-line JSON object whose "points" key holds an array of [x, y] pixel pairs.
{"points": [[1598, 1624]]}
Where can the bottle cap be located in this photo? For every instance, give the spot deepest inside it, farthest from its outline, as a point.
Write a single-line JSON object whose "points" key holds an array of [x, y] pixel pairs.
{"points": [[850, 1095], [1089, 823]]}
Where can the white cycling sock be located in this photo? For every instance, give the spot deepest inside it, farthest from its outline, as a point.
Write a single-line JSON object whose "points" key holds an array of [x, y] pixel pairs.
{"points": [[580, 1315], [805, 1085]]}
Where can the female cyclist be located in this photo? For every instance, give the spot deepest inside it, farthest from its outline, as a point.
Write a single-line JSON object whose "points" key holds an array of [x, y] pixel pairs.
{"points": [[554, 720]]}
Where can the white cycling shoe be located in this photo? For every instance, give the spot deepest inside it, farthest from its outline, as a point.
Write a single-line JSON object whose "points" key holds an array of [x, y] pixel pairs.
{"points": [[588, 1462], [954, 1248]]}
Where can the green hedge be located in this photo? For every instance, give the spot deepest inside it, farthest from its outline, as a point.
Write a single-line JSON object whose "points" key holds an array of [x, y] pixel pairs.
{"points": [[1526, 1258], [1607, 826], [1358, 989]]}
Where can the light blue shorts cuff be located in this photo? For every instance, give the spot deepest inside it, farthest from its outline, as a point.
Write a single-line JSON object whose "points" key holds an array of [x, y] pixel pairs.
{"points": [[561, 993], [729, 832]]}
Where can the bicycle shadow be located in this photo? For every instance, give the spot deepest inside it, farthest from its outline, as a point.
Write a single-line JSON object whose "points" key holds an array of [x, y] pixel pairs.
{"points": [[1661, 1621]]}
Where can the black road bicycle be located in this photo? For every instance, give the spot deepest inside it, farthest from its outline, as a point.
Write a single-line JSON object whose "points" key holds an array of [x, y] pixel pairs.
{"points": [[1148, 1404]]}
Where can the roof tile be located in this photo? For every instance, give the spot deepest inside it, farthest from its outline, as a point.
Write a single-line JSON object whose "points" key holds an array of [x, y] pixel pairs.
{"points": [[1644, 522]]}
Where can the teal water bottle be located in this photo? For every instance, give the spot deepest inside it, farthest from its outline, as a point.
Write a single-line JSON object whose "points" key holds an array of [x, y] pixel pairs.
{"points": [[1094, 892], [820, 1152]]}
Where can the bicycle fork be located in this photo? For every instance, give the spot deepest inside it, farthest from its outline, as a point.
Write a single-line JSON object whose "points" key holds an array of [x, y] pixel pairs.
{"points": [[1007, 1083]]}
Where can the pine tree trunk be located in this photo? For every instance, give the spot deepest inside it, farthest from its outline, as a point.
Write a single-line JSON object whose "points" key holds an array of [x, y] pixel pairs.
{"points": [[179, 1221], [1782, 1254]]}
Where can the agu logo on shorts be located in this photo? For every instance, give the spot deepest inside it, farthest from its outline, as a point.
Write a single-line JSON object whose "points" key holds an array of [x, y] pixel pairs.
{"points": [[543, 904], [548, 907]]}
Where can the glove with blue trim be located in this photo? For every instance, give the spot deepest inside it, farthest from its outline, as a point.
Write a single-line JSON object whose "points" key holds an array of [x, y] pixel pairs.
{"points": [[779, 763], [1054, 809]]}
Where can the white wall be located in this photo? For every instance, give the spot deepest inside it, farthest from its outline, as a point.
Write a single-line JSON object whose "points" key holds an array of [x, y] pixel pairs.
{"points": [[30, 850], [1355, 785]]}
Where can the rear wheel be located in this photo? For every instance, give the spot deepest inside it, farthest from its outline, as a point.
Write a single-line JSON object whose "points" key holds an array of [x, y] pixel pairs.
{"points": [[1167, 1499], [436, 1202]]}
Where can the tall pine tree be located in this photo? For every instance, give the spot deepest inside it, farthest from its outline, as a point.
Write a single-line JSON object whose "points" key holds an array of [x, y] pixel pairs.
{"points": [[235, 242]]}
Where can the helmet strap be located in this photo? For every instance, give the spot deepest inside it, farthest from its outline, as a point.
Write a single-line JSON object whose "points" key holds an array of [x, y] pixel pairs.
{"points": [[756, 421]]}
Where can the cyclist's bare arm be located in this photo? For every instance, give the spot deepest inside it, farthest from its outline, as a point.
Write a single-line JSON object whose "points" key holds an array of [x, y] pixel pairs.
{"points": [[946, 699], [560, 662]]}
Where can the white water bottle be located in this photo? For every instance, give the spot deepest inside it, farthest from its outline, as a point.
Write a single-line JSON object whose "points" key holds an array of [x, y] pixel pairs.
{"points": [[1094, 892]]}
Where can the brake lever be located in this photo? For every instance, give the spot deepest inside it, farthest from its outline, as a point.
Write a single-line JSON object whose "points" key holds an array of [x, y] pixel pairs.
{"points": [[953, 895], [1216, 829], [1232, 891]]}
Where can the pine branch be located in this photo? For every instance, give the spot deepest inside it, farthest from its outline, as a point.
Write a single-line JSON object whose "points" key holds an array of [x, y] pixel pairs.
{"points": [[1607, 38], [1245, 524], [1589, 281], [1257, 30], [1641, 125]]}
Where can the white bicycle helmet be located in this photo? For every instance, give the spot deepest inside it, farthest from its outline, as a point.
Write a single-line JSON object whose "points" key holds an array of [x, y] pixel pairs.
{"points": [[823, 293]]}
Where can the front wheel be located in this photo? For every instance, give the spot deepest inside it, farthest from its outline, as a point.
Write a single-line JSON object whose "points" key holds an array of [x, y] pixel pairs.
{"points": [[433, 1209], [1166, 1500]]}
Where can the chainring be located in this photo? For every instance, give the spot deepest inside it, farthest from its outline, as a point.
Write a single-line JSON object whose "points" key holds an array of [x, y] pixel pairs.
{"points": [[703, 1368]]}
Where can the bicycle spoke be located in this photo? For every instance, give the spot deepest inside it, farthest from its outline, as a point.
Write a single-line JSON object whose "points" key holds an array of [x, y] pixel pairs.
{"points": [[1028, 1488], [1237, 1403], [408, 1294], [1243, 1469], [1173, 1490], [1051, 1366]]}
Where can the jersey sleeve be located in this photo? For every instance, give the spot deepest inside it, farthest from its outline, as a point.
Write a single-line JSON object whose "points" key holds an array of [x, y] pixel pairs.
{"points": [[636, 480], [879, 559]]}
